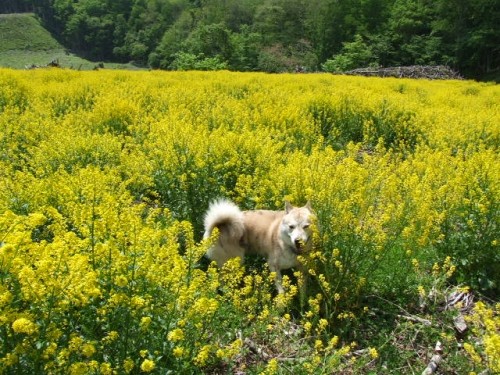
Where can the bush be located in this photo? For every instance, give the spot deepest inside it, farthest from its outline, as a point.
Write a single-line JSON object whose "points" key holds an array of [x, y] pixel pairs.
{"points": [[355, 54], [189, 61]]}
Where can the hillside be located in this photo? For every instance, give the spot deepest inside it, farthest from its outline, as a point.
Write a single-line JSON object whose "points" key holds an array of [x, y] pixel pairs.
{"points": [[26, 42], [24, 32]]}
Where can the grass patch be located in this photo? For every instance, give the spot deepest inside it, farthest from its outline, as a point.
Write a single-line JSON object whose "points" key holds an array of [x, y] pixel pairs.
{"points": [[25, 42], [24, 32]]}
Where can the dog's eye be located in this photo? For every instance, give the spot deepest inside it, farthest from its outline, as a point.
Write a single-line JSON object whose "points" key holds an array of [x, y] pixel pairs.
{"points": [[305, 226], [291, 227]]}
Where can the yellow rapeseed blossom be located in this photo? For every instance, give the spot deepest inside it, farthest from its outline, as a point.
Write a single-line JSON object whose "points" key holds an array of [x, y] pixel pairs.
{"points": [[178, 351], [421, 291], [145, 322], [373, 353], [486, 323], [88, 350], [105, 177], [24, 325], [106, 368], [128, 365], [472, 353], [271, 367], [203, 355], [175, 335], [147, 365], [121, 281]]}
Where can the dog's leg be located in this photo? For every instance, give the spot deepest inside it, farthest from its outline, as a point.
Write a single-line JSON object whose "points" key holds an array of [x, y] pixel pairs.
{"points": [[278, 278], [277, 282], [302, 285]]}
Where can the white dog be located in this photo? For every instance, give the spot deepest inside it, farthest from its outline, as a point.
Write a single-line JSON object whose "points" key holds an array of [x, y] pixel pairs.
{"points": [[277, 235]]}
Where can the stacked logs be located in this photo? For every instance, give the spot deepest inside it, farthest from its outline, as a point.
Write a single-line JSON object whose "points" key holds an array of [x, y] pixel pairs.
{"points": [[414, 71]]}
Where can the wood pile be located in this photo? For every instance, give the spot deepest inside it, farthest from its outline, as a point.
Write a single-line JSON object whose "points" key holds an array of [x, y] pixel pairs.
{"points": [[414, 71], [52, 64]]}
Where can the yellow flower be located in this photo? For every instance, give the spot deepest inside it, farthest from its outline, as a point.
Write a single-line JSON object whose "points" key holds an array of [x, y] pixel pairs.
{"points": [[307, 326], [147, 365], [435, 269], [50, 351], [137, 302], [88, 350], [110, 337], [178, 351], [10, 359], [472, 352], [175, 335], [373, 353], [272, 367], [415, 263], [339, 265], [106, 368], [145, 322], [5, 298], [203, 355], [128, 365], [421, 291], [318, 345], [334, 341], [23, 325], [322, 324], [121, 281], [78, 368]]}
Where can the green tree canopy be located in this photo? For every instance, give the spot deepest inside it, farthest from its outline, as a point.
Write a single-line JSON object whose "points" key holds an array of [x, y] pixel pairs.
{"points": [[279, 35]]}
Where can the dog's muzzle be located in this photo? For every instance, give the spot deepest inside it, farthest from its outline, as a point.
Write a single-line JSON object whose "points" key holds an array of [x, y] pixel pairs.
{"points": [[299, 246]]}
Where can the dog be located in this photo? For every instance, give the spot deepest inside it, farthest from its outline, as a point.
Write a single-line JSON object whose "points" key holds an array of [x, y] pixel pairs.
{"points": [[279, 236]]}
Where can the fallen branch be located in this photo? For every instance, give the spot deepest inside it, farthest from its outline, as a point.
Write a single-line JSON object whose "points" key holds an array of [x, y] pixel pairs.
{"points": [[256, 349], [416, 319], [435, 360], [461, 300], [53, 64]]}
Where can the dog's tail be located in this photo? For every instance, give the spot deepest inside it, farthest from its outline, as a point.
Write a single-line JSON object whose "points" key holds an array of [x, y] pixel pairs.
{"points": [[227, 217]]}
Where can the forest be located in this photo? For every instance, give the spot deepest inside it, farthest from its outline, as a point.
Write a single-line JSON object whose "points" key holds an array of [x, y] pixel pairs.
{"points": [[277, 35]]}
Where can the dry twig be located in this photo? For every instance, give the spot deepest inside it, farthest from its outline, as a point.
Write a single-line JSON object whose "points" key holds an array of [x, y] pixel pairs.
{"points": [[435, 360]]}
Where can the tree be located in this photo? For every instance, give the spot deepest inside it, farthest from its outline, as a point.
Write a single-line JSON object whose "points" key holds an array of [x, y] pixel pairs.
{"points": [[210, 40], [471, 36], [90, 29], [280, 21], [171, 41], [356, 54], [410, 33], [245, 46], [278, 35], [16, 6]]}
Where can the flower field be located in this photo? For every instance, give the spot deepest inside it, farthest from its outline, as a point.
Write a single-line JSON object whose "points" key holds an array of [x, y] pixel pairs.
{"points": [[105, 178]]}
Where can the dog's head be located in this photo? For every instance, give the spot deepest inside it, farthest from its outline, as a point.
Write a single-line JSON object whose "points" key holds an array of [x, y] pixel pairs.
{"points": [[296, 227]]}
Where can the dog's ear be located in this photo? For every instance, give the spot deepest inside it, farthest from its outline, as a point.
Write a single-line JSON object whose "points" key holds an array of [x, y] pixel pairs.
{"points": [[308, 206], [288, 207]]}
